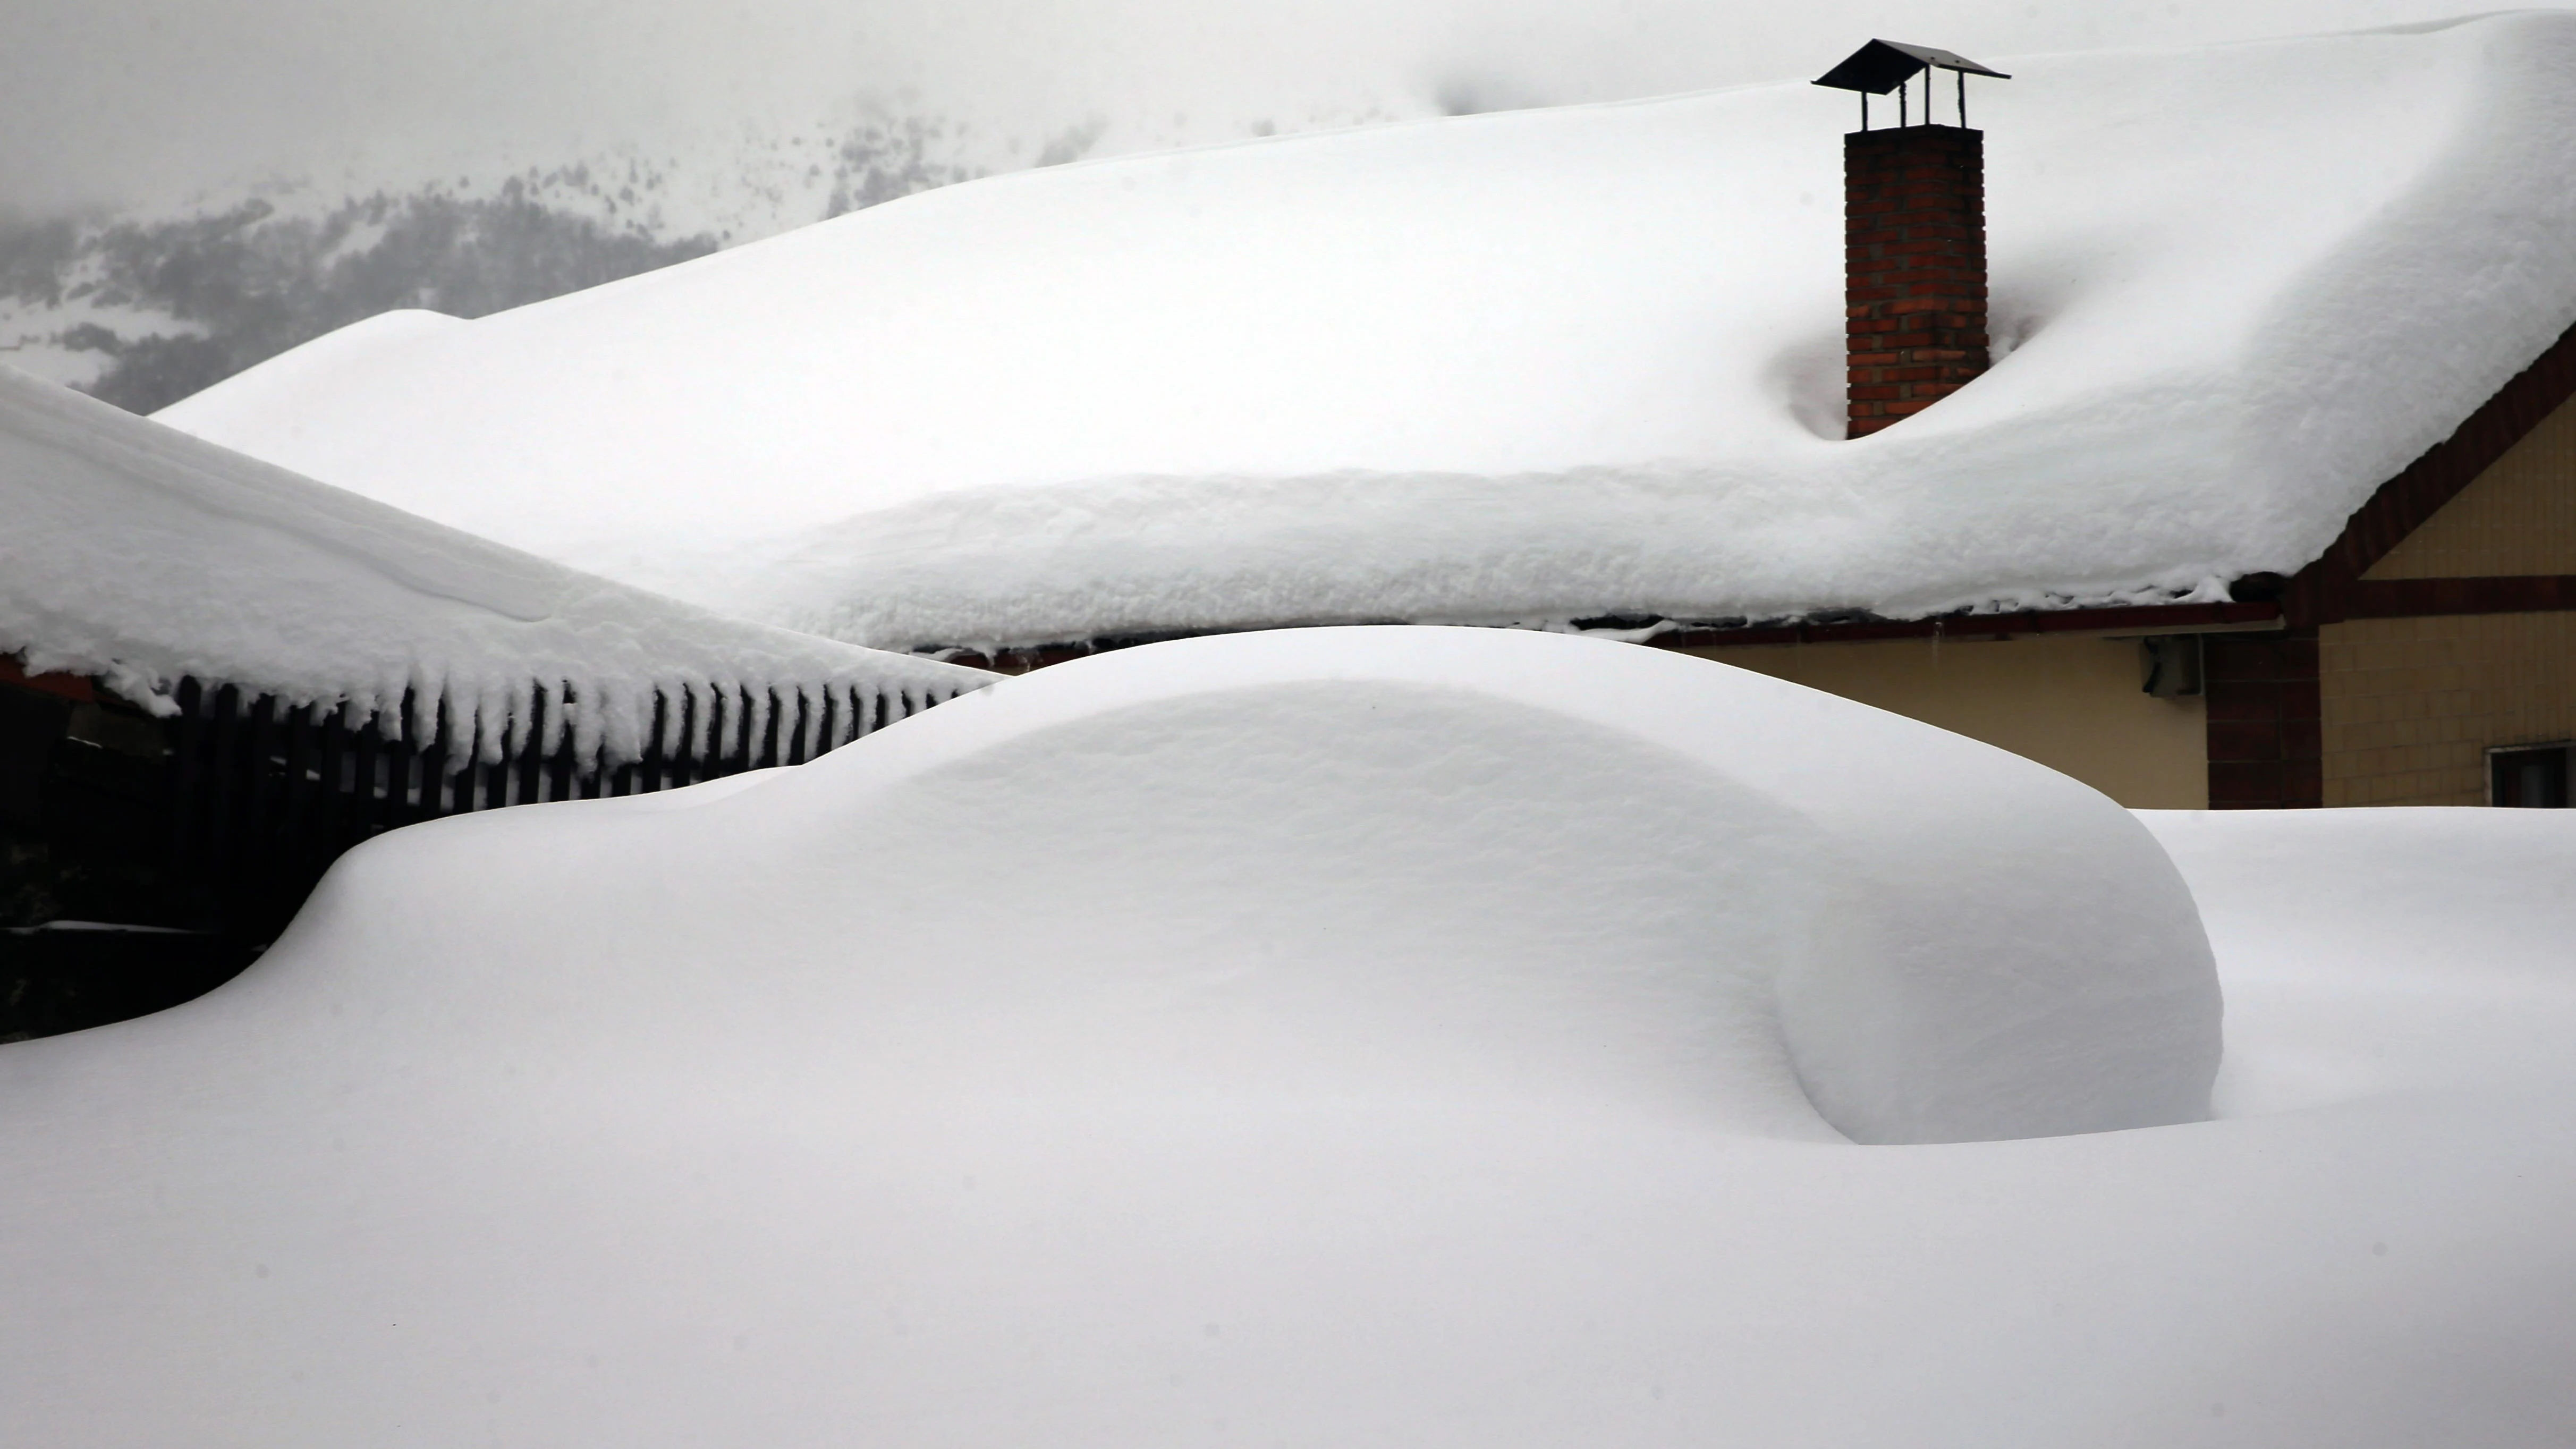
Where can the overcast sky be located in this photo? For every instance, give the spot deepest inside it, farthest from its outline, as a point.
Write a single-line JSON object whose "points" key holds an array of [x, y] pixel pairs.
{"points": [[108, 101]]}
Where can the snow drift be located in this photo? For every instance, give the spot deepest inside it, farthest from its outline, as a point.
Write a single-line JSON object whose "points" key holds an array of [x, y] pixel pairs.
{"points": [[1200, 1080], [1526, 367], [141, 555], [1304, 862]]}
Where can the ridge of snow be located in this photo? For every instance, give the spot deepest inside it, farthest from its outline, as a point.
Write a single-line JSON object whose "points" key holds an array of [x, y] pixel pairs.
{"points": [[138, 554], [1522, 367]]}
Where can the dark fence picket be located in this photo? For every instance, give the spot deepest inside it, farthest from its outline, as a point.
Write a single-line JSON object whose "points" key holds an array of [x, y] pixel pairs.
{"points": [[366, 752], [530, 746], [560, 760], [433, 766], [710, 761], [492, 764], [648, 776], [259, 852], [263, 795], [733, 754], [225, 778], [187, 776], [401, 755], [313, 777], [684, 768], [469, 767]]}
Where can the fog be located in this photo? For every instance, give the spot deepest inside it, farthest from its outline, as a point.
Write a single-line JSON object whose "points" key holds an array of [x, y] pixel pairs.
{"points": [[126, 102]]}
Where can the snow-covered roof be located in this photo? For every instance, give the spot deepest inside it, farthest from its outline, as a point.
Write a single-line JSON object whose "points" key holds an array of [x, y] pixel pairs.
{"points": [[134, 552], [1520, 367]]}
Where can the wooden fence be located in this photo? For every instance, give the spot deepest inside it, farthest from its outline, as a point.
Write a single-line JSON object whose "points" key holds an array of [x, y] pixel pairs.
{"points": [[262, 796]]}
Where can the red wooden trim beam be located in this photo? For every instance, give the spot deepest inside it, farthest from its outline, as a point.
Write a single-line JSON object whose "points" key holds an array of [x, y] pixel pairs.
{"points": [[69, 686]]}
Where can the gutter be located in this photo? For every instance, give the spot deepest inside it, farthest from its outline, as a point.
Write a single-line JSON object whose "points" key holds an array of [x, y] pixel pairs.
{"points": [[2253, 616]]}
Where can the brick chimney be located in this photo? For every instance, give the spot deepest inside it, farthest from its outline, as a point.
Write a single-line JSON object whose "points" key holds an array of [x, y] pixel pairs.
{"points": [[1914, 238], [1914, 269]]}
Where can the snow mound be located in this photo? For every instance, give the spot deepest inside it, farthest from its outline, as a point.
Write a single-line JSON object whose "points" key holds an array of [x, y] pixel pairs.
{"points": [[1259, 862], [1521, 367], [770, 1108], [136, 553], [315, 362], [1417, 862]]}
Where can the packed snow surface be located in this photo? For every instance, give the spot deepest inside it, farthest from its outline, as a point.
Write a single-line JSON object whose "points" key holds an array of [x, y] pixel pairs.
{"points": [[1323, 1040], [136, 553], [1522, 367]]}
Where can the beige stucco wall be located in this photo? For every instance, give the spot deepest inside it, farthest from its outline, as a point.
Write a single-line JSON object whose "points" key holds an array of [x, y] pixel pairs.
{"points": [[2519, 517], [2071, 704], [2410, 706]]}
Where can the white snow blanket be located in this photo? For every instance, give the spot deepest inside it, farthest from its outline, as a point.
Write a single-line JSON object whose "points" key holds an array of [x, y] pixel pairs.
{"points": [[1233, 1066], [1526, 367], [136, 553]]}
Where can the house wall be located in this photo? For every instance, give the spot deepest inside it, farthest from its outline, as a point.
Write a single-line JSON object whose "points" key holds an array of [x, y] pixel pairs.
{"points": [[2518, 517], [2410, 706], [2074, 705]]}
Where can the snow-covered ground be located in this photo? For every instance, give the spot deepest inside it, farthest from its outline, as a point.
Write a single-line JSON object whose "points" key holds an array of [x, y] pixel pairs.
{"points": [[1519, 367], [1351, 1037], [141, 555]]}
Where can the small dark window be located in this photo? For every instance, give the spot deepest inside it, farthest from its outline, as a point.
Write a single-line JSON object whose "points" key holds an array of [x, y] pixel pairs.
{"points": [[2531, 778]]}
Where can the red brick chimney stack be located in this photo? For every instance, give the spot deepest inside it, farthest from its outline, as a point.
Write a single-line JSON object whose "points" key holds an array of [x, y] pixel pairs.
{"points": [[1914, 269], [1914, 238]]}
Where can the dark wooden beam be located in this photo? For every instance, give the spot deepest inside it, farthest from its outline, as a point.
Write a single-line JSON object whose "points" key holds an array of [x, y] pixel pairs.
{"points": [[2424, 598], [2323, 592], [2265, 700], [2140, 619]]}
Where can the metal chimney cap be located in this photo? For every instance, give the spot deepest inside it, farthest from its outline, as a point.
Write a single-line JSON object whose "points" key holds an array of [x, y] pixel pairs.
{"points": [[1883, 65]]}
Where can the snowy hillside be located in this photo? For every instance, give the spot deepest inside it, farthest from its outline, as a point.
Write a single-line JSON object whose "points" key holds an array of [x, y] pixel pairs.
{"points": [[1521, 367], [145, 305], [142, 555], [1416, 1037]]}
